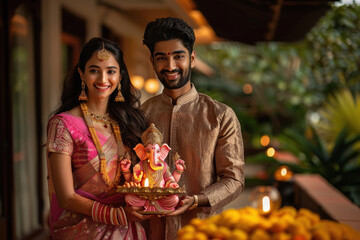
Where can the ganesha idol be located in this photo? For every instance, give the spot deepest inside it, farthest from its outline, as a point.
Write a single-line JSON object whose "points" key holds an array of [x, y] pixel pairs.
{"points": [[153, 172]]}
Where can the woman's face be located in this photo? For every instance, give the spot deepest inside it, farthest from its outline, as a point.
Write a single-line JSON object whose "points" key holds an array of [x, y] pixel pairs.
{"points": [[101, 77]]}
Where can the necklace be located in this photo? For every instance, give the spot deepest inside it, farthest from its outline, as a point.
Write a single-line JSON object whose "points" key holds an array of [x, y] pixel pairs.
{"points": [[102, 159], [99, 118]]}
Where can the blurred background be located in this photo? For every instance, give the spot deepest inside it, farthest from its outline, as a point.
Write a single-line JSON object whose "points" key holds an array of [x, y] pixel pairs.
{"points": [[288, 68]]}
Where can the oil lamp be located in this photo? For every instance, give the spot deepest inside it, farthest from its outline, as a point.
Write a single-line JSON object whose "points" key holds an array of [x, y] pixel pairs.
{"points": [[284, 183], [266, 199]]}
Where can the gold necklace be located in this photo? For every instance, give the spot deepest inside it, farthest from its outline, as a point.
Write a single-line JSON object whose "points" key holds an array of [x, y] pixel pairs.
{"points": [[100, 118], [102, 159]]}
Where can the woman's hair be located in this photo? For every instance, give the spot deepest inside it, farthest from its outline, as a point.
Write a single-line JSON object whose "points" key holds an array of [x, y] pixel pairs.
{"points": [[163, 29], [132, 121]]}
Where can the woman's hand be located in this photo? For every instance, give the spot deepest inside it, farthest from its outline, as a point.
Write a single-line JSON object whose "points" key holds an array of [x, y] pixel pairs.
{"points": [[133, 214]]}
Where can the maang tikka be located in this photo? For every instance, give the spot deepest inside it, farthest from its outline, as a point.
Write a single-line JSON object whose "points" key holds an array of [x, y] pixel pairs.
{"points": [[103, 54]]}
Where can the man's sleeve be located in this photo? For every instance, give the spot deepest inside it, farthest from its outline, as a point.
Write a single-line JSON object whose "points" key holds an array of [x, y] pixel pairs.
{"points": [[229, 163]]}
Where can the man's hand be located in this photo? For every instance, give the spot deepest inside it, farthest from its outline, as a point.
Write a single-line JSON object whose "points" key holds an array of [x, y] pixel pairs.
{"points": [[185, 204]]}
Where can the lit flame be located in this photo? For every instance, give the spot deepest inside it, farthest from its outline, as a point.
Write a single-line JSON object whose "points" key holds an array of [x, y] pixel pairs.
{"points": [[283, 171], [266, 204], [146, 183]]}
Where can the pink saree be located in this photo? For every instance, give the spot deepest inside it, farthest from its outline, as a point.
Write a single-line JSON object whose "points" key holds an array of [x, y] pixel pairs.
{"points": [[69, 135]]}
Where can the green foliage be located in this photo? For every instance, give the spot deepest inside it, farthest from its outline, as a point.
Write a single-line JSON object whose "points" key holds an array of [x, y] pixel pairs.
{"points": [[335, 44], [288, 79], [337, 166], [342, 109]]}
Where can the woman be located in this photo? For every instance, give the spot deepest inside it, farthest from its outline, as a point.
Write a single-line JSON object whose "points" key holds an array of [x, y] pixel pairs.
{"points": [[90, 142]]}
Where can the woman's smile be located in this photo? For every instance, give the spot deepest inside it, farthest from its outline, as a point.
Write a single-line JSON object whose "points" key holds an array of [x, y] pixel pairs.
{"points": [[102, 87]]}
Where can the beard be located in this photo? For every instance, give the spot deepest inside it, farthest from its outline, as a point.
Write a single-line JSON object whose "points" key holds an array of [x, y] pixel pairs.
{"points": [[175, 84]]}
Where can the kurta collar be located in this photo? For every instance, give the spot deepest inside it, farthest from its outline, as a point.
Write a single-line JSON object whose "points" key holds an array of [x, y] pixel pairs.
{"points": [[187, 97]]}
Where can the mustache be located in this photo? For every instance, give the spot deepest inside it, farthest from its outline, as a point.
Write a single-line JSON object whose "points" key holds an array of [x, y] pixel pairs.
{"points": [[173, 71]]}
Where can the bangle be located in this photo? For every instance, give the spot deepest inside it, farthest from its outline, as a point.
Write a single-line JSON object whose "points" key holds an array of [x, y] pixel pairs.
{"points": [[196, 202]]}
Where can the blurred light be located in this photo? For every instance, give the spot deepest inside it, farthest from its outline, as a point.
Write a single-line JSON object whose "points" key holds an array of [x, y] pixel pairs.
{"points": [[138, 81], [266, 204], [283, 173], [247, 88], [314, 117], [266, 199], [152, 85], [264, 140], [270, 152]]}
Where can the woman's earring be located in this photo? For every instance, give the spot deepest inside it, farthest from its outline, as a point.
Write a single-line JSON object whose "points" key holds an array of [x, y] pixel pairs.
{"points": [[119, 97], [83, 96]]}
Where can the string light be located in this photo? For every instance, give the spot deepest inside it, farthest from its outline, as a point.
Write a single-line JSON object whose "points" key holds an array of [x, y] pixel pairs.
{"points": [[270, 152], [247, 88], [264, 140]]}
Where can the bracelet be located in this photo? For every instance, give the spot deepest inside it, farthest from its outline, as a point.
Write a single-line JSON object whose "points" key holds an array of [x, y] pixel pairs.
{"points": [[196, 202], [103, 213]]}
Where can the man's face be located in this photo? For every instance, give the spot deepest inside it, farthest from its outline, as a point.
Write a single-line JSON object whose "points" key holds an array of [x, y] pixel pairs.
{"points": [[172, 63]]}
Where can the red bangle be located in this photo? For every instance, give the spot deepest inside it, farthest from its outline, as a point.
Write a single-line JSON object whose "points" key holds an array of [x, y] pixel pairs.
{"points": [[94, 211], [108, 208], [101, 213]]}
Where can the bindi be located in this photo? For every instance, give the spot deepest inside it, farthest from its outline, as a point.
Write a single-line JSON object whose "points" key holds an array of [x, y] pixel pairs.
{"points": [[168, 53]]}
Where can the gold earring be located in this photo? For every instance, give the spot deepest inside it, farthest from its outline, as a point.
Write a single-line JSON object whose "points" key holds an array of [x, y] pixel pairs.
{"points": [[119, 97], [83, 96]]}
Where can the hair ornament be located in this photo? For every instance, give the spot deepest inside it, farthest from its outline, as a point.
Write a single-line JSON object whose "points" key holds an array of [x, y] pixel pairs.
{"points": [[103, 54]]}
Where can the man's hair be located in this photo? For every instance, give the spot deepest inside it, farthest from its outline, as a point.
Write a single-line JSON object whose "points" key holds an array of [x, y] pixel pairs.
{"points": [[163, 29]]}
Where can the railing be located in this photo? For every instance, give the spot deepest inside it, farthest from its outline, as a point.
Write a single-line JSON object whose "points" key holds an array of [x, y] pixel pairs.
{"points": [[315, 193]]}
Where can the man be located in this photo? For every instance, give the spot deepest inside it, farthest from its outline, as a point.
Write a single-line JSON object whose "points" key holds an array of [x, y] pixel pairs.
{"points": [[205, 133]]}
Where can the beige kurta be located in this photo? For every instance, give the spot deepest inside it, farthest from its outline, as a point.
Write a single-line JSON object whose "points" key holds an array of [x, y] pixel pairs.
{"points": [[207, 136]]}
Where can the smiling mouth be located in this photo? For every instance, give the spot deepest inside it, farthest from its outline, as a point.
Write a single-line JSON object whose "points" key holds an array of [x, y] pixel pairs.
{"points": [[171, 75], [102, 87]]}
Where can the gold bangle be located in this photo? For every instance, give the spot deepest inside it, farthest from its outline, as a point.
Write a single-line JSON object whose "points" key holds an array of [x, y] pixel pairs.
{"points": [[195, 204]]}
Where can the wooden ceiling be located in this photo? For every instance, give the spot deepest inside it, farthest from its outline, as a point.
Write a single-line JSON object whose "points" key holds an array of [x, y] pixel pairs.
{"points": [[251, 21], [246, 21]]}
